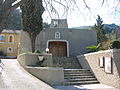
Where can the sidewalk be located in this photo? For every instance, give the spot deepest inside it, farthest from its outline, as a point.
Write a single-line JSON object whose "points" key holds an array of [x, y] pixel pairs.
{"points": [[86, 87], [14, 77]]}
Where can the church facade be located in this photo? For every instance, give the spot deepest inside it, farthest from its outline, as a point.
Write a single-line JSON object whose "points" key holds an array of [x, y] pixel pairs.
{"points": [[60, 40]]}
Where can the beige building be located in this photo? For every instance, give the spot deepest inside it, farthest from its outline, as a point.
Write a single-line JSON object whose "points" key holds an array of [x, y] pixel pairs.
{"points": [[9, 40]]}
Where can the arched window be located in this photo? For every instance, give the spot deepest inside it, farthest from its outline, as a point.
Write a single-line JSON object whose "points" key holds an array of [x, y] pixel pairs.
{"points": [[2, 37], [9, 49], [57, 35], [11, 39]]}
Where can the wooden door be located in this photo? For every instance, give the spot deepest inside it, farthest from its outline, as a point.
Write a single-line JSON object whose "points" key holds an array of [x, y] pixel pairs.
{"points": [[58, 48]]}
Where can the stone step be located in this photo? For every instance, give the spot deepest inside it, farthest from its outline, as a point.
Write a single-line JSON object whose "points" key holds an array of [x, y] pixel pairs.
{"points": [[76, 77], [81, 74], [66, 62], [77, 71], [81, 83], [80, 79]]}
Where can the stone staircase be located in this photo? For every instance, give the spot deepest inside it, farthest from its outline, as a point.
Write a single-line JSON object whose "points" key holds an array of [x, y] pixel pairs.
{"points": [[79, 77], [73, 73], [66, 62]]}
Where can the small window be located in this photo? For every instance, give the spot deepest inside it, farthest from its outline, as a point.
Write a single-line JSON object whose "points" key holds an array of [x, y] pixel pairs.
{"points": [[9, 49], [55, 23], [10, 39], [57, 35], [2, 37]]}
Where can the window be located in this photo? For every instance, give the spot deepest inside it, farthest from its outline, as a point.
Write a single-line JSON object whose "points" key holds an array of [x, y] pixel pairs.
{"points": [[9, 49], [55, 23], [2, 37], [57, 35], [11, 39]]}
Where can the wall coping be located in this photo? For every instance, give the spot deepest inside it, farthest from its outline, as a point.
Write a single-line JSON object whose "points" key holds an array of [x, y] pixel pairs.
{"points": [[46, 68], [100, 52], [30, 53]]}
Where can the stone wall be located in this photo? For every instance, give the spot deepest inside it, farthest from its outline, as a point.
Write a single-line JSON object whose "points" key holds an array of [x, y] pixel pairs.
{"points": [[77, 40], [49, 74], [91, 61], [25, 43]]}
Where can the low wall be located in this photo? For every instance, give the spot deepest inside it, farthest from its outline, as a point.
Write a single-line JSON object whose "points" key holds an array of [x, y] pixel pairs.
{"points": [[27, 59], [49, 74], [91, 61]]}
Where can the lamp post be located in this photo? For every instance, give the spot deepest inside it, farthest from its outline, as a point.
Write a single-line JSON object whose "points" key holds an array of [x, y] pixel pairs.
{"points": [[47, 50]]}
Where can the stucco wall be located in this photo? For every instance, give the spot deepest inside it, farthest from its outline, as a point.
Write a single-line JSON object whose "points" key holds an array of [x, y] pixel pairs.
{"points": [[91, 61], [27, 59], [77, 40], [25, 43], [5, 44], [49, 74]]}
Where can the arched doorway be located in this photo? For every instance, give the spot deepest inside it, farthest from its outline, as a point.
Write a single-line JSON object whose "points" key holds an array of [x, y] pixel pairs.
{"points": [[58, 48]]}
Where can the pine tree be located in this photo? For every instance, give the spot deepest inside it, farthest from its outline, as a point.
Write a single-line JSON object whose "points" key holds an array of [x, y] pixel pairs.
{"points": [[99, 29]]}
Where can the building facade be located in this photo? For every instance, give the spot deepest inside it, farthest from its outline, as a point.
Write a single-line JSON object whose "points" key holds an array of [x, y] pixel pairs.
{"points": [[60, 40], [9, 40]]}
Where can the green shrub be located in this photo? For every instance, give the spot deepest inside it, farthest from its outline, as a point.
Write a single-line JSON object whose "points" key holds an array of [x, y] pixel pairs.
{"points": [[115, 45], [94, 48], [37, 51]]}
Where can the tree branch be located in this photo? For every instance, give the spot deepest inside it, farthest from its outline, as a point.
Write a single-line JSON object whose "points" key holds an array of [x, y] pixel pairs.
{"points": [[17, 5]]}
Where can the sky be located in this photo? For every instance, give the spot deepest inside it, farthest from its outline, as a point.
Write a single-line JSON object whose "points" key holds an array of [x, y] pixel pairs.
{"points": [[79, 15]]}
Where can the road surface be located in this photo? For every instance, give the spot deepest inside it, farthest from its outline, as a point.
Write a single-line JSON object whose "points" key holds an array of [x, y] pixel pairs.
{"points": [[14, 77]]}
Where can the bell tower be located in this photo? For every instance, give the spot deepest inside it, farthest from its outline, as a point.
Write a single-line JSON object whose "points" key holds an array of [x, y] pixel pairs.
{"points": [[59, 23]]}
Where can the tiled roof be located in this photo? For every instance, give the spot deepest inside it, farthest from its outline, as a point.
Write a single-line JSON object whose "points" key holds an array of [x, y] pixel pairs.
{"points": [[11, 31]]}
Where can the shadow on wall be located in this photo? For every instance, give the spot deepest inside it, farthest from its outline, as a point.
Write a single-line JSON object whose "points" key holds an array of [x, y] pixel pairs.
{"points": [[116, 60], [107, 69]]}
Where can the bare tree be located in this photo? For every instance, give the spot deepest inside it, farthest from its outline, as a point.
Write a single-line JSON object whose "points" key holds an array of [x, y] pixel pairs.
{"points": [[6, 6]]}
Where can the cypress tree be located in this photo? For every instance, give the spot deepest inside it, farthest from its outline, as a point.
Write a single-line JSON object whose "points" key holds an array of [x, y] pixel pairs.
{"points": [[32, 12]]}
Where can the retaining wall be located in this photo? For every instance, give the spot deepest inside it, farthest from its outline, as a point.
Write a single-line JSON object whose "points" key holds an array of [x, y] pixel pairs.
{"points": [[49, 74], [91, 61]]}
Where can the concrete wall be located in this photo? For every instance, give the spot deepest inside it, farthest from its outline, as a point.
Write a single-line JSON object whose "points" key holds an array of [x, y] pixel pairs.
{"points": [[91, 61], [27, 59], [48, 74], [51, 75], [25, 43], [77, 40]]}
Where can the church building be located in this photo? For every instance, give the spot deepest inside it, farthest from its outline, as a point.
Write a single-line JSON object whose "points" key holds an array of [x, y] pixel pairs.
{"points": [[60, 40]]}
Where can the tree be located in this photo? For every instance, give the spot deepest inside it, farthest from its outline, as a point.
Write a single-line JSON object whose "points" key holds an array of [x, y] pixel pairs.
{"points": [[14, 20], [99, 29], [6, 6], [32, 11], [46, 25]]}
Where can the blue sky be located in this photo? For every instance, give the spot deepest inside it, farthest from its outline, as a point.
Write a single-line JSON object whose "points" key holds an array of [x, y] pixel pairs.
{"points": [[81, 16]]}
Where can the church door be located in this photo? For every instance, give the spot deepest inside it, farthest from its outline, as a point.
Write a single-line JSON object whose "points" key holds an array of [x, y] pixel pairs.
{"points": [[58, 48]]}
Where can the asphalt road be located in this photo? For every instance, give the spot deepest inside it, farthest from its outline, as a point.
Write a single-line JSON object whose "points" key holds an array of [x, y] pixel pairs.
{"points": [[14, 77]]}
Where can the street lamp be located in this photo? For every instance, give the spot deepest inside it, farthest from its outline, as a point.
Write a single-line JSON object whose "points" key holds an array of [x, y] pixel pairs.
{"points": [[47, 50]]}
